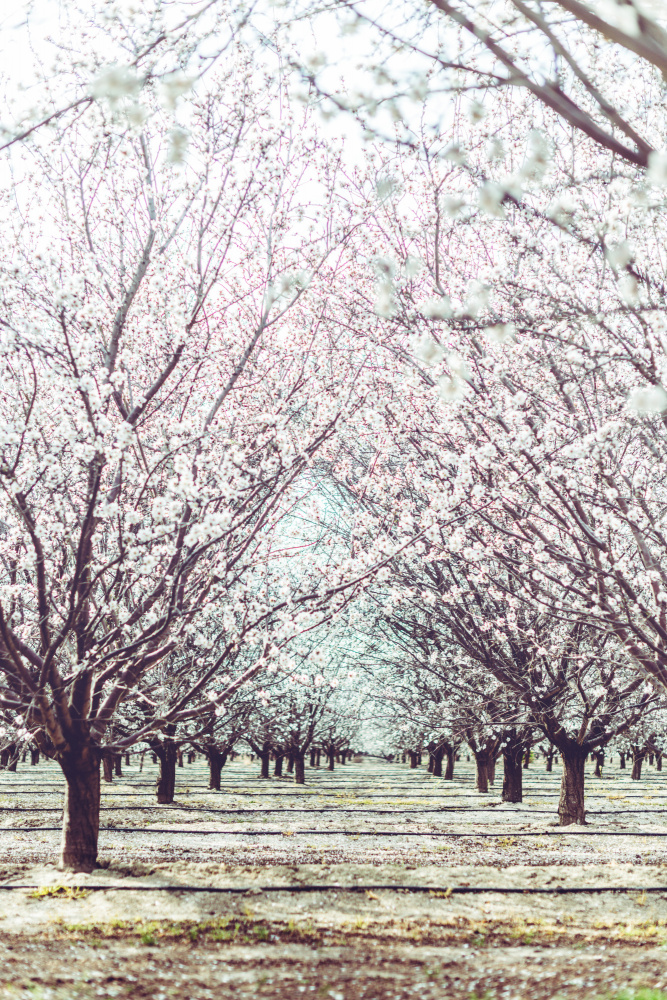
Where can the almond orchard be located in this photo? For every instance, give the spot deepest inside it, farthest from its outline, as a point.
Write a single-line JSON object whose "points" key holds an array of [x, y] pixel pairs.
{"points": [[333, 458]]}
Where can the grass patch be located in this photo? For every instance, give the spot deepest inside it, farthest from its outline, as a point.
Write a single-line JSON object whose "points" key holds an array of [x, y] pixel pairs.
{"points": [[507, 842], [640, 995], [60, 891], [441, 928]]}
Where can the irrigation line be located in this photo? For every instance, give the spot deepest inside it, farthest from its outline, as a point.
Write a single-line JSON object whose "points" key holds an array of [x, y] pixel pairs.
{"points": [[450, 890], [349, 833], [290, 812], [334, 809]]}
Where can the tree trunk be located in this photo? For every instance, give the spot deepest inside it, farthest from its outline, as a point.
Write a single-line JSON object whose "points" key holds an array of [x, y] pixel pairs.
{"points": [[571, 807], [216, 762], [550, 760], [180, 758], [278, 769], [214, 772], [621, 761], [166, 781], [299, 768], [491, 769], [481, 767], [658, 761], [413, 759], [438, 754], [117, 768], [318, 758], [449, 767], [34, 757], [638, 756], [265, 758], [331, 757], [526, 759], [599, 763], [513, 772], [312, 758], [127, 760], [107, 767], [81, 810], [290, 763]]}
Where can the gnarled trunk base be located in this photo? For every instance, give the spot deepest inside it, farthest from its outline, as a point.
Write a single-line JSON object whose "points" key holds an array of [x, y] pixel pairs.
{"points": [[513, 776], [299, 769], [482, 773], [571, 808], [216, 762], [81, 810], [166, 782]]}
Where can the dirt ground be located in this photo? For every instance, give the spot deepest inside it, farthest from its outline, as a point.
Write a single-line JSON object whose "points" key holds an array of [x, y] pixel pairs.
{"points": [[343, 941]]}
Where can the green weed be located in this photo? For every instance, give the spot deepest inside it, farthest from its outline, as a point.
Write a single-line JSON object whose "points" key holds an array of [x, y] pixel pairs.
{"points": [[62, 891]]}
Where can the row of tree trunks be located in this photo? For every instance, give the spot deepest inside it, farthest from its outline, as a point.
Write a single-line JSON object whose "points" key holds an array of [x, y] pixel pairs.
{"points": [[81, 768]]}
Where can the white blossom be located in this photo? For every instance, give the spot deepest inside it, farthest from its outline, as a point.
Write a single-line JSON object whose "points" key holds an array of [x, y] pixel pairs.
{"points": [[648, 399]]}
